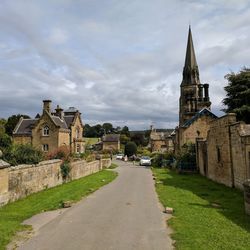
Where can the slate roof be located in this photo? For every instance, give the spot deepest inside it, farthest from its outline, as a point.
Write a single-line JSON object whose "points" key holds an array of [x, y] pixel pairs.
{"points": [[59, 122], [69, 120], [111, 138], [202, 112], [25, 127]]}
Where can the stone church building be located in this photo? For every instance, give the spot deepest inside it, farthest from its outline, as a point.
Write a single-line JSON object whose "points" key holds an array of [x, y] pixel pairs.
{"points": [[50, 130], [194, 103], [222, 144]]}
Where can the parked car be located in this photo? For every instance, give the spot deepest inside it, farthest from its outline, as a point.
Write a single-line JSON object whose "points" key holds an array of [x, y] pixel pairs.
{"points": [[119, 156], [145, 161]]}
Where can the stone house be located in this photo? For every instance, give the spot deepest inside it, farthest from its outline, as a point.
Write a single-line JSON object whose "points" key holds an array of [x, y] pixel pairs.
{"points": [[224, 155], [111, 142], [160, 140], [50, 130]]}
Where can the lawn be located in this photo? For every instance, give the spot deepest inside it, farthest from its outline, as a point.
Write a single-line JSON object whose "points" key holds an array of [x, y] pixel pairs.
{"points": [[13, 214], [91, 141], [206, 215]]}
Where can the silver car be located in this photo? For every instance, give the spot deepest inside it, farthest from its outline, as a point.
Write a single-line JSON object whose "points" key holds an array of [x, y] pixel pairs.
{"points": [[145, 161], [119, 156]]}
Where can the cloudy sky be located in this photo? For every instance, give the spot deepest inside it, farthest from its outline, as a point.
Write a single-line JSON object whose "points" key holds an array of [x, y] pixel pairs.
{"points": [[117, 61]]}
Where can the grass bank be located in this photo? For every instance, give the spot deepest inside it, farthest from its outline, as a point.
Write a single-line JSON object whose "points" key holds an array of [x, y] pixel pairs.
{"points": [[113, 165], [207, 215], [13, 214]]}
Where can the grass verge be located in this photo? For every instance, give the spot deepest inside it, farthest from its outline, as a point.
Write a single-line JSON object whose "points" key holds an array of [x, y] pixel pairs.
{"points": [[13, 214], [207, 215], [113, 165]]}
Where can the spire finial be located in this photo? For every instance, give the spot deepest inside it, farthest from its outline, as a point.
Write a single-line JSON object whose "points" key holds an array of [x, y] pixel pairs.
{"points": [[191, 65]]}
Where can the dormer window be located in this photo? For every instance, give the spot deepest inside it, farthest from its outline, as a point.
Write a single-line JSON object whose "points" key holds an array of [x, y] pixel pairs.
{"points": [[46, 130]]}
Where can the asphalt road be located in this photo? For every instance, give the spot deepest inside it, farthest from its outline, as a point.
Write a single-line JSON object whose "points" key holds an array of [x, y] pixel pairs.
{"points": [[123, 215]]}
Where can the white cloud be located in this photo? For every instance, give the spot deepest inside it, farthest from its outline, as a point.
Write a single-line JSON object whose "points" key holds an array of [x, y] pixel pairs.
{"points": [[118, 61]]}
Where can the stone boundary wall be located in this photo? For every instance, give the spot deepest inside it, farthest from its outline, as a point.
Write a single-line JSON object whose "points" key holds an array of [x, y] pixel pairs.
{"points": [[19, 181], [224, 156]]}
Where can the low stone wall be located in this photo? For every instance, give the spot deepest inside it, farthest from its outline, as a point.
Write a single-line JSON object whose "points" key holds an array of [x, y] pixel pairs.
{"points": [[106, 163], [19, 181], [82, 168], [28, 179]]}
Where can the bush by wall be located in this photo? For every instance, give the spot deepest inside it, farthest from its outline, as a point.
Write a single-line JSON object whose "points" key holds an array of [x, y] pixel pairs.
{"points": [[22, 154]]}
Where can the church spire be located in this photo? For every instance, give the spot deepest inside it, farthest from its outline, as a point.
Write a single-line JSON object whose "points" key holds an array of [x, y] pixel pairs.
{"points": [[190, 70]]}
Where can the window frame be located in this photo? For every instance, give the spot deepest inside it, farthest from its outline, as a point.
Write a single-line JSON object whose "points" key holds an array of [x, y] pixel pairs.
{"points": [[46, 130]]}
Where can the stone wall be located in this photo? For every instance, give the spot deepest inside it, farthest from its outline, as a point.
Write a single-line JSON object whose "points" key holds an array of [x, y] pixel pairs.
{"points": [[4, 182], [19, 181], [27, 179], [224, 156]]}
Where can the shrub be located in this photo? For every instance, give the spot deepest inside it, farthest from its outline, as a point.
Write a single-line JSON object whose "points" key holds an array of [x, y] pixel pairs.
{"points": [[90, 158], [65, 169], [62, 153], [130, 149], [5, 141], [187, 154], [163, 159], [23, 154], [143, 151]]}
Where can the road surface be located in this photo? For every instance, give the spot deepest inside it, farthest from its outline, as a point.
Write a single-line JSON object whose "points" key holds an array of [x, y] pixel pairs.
{"points": [[122, 215]]}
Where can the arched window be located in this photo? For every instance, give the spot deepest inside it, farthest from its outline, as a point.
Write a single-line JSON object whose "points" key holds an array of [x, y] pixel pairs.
{"points": [[46, 130]]}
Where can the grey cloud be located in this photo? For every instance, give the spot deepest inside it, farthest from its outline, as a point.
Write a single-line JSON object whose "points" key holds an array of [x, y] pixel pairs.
{"points": [[117, 61]]}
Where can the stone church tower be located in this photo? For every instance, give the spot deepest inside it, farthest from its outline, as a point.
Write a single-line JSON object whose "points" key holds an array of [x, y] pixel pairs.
{"points": [[194, 95]]}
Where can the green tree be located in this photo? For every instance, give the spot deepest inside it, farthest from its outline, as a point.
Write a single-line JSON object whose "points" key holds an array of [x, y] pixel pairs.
{"points": [[12, 122], [125, 131], [124, 139], [238, 94], [108, 128], [130, 149], [2, 125]]}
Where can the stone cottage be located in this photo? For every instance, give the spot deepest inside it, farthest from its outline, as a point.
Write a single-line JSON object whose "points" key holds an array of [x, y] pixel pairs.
{"points": [[51, 130], [160, 140], [111, 142]]}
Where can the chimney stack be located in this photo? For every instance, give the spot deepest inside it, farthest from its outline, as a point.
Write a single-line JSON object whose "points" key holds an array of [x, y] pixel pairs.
{"points": [[47, 106], [59, 111]]}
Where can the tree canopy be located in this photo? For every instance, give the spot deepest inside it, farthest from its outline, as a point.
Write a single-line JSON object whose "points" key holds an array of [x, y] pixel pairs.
{"points": [[238, 94]]}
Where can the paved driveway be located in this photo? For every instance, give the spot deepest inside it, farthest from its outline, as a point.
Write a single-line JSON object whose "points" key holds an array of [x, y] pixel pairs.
{"points": [[123, 215]]}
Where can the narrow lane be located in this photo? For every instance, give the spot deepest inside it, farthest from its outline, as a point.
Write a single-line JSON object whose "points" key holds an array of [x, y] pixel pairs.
{"points": [[123, 215]]}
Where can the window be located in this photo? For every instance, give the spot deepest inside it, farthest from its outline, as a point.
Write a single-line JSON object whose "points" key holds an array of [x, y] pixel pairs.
{"points": [[78, 148], [46, 130], [77, 133], [45, 147]]}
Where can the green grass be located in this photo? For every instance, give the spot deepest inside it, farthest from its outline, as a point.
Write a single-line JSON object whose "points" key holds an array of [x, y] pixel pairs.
{"points": [[90, 141], [13, 214], [196, 223], [113, 165]]}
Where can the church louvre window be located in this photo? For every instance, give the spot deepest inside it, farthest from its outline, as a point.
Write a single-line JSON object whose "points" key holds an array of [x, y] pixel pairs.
{"points": [[46, 130]]}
